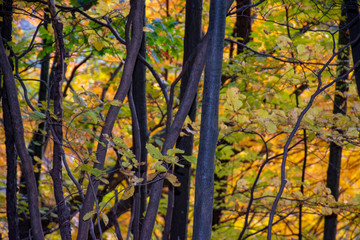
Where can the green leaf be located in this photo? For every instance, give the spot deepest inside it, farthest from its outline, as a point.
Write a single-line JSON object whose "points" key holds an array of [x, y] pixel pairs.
{"points": [[115, 102], [96, 172], [94, 116], [191, 159], [86, 167], [154, 152], [174, 151], [160, 168], [89, 215]]}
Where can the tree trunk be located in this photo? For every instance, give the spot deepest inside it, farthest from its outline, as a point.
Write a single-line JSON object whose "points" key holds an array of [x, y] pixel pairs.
{"points": [[193, 32], [56, 126], [204, 182], [11, 177], [353, 24], [26, 161], [139, 97], [242, 30], [333, 172], [133, 47]]}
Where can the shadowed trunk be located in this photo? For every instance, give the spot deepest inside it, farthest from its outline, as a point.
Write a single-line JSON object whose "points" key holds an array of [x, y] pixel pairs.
{"points": [[353, 24], [11, 156], [26, 161], [139, 97], [135, 21], [340, 105], [193, 32], [56, 126]]}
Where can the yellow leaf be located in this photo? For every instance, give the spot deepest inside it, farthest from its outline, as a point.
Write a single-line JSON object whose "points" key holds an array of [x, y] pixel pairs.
{"points": [[127, 173], [135, 180], [50, 29], [172, 179], [147, 29], [151, 176], [233, 98], [96, 42], [283, 42], [104, 180], [103, 8], [241, 183], [99, 45], [357, 107], [326, 211], [105, 218], [128, 193]]}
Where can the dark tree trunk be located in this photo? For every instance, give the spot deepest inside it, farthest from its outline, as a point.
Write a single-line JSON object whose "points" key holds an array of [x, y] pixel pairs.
{"points": [[139, 97], [11, 178], [26, 161], [193, 32], [173, 133], [242, 28], [340, 105], [204, 183], [136, 21], [56, 126], [11, 156], [353, 24], [38, 142]]}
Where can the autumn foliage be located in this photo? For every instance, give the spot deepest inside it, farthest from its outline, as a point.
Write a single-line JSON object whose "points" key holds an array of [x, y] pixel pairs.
{"points": [[111, 108]]}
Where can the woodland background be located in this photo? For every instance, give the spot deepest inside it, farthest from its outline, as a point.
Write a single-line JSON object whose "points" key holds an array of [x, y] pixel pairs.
{"points": [[110, 130]]}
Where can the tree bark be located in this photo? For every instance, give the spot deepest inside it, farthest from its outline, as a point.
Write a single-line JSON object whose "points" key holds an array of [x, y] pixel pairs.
{"points": [[340, 105], [193, 34], [139, 97], [56, 126], [26, 161], [11, 177], [353, 23], [173, 134], [133, 47], [204, 182]]}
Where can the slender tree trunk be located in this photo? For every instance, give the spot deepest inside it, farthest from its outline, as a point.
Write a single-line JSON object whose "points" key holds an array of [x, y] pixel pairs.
{"points": [[193, 32], [136, 21], [37, 144], [139, 97], [11, 156], [204, 183], [173, 133], [340, 105], [56, 126], [242, 30], [26, 161], [242, 27], [11, 178], [353, 23]]}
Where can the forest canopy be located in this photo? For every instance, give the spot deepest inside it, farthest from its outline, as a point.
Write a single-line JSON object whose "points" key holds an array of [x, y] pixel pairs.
{"points": [[182, 119]]}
